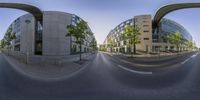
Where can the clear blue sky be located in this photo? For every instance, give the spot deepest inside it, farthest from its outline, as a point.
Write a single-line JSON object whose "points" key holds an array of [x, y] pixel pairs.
{"points": [[104, 15]]}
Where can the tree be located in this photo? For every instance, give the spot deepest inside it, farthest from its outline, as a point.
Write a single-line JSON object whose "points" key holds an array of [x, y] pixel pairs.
{"points": [[9, 36], [102, 47], [110, 43], [189, 44], [93, 44], [1, 45], [80, 31], [131, 34], [175, 39]]}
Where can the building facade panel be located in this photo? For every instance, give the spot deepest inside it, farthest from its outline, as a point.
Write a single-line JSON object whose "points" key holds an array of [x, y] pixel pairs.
{"points": [[55, 41], [145, 25]]}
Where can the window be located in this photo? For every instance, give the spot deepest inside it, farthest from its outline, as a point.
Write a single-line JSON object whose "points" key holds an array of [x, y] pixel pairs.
{"points": [[145, 25], [119, 44], [17, 47], [145, 17], [73, 49], [85, 49], [146, 38], [122, 25], [124, 42], [73, 23], [136, 19], [146, 31]]}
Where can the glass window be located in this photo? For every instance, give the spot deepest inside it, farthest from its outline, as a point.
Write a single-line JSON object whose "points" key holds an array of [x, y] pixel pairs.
{"points": [[145, 25]]}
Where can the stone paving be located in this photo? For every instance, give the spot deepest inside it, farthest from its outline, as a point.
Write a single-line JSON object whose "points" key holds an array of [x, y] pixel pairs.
{"points": [[47, 70]]}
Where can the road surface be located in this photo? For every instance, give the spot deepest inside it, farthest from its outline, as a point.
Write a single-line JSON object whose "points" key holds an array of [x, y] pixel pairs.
{"points": [[107, 78]]}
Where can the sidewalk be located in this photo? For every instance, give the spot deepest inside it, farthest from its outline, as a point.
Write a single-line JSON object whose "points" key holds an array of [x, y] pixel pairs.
{"points": [[148, 55], [46, 70]]}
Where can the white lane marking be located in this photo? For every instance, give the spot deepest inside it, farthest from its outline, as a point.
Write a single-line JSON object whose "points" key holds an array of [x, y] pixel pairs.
{"points": [[134, 71], [135, 64], [185, 61], [103, 57], [193, 56]]}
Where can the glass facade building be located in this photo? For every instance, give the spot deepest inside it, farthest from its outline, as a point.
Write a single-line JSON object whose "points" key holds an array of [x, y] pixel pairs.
{"points": [[169, 26]]}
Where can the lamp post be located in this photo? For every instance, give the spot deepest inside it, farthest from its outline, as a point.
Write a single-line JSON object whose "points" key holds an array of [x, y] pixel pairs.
{"points": [[27, 41]]}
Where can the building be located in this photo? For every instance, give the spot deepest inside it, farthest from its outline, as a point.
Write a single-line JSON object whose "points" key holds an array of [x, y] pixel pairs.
{"points": [[150, 42], [145, 25], [143, 22], [169, 27], [51, 40]]}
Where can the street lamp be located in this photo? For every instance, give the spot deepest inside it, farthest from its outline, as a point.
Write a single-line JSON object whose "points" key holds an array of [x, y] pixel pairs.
{"points": [[27, 41]]}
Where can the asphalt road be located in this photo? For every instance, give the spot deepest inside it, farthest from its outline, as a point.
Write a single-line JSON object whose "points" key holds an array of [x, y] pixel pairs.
{"points": [[107, 78]]}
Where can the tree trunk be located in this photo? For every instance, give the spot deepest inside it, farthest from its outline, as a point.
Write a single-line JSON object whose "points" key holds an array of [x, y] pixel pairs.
{"points": [[177, 49], [134, 49], [80, 51], [131, 50]]}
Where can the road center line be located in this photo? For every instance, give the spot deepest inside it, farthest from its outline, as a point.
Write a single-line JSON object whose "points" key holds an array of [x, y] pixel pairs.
{"points": [[134, 71]]}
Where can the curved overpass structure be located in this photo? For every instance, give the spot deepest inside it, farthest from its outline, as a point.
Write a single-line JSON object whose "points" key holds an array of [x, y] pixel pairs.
{"points": [[169, 8], [36, 12]]}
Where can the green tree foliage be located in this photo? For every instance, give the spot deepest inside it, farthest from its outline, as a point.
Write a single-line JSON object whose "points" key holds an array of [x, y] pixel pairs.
{"points": [[110, 43], [93, 44], [131, 34], [80, 31], [9, 36], [189, 44], [1, 45], [102, 47], [175, 39]]}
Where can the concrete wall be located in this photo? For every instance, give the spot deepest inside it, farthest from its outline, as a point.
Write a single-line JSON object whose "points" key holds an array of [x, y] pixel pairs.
{"points": [[144, 22], [16, 54], [54, 40], [27, 34]]}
